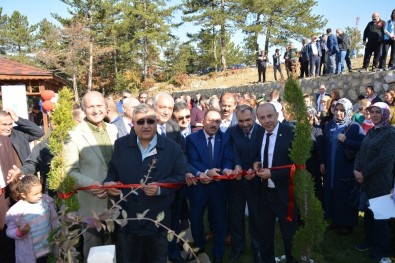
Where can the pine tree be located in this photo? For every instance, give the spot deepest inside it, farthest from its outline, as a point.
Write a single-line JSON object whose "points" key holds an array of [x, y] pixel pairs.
{"points": [[281, 20], [309, 236]]}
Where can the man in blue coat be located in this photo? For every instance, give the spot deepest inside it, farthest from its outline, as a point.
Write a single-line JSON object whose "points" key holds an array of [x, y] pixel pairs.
{"points": [[333, 49], [209, 154], [244, 139], [143, 155]]}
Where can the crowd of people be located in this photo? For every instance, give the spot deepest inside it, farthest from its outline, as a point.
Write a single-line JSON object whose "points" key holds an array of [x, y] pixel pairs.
{"points": [[331, 52], [161, 139]]}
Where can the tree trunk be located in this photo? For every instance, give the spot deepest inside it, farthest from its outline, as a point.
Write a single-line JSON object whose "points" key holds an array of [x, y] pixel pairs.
{"points": [[145, 47], [90, 64], [215, 51], [75, 88], [223, 39], [268, 36], [256, 34]]}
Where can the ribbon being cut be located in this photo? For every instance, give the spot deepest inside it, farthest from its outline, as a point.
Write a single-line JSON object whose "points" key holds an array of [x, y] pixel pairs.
{"points": [[291, 200]]}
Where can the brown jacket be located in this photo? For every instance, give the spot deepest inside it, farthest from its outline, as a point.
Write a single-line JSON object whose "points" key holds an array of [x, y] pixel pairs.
{"points": [[6, 162]]}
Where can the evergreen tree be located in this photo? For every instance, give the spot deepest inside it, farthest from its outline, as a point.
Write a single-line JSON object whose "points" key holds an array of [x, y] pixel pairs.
{"points": [[281, 20], [309, 236], [143, 29], [218, 18], [355, 38], [17, 34]]}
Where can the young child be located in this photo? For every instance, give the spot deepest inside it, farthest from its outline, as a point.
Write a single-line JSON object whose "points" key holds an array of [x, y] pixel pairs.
{"points": [[30, 220]]}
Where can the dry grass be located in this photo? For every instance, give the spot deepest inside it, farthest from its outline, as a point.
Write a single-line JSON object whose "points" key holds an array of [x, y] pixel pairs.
{"points": [[230, 78]]}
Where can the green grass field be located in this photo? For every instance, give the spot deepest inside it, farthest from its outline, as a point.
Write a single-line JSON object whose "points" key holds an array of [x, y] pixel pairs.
{"points": [[334, 249]]}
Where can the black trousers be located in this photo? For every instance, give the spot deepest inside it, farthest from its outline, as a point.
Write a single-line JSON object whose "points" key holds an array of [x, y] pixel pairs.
{"points": [[377, 235], [261, 73], [323, 63], [304, 69], [143, 249], [270, 208], [386, 46], [348, 60], [375, 48]]}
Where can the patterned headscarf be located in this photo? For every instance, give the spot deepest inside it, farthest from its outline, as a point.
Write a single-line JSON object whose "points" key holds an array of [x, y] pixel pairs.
{"points": [[385, 113], [347, 105]]}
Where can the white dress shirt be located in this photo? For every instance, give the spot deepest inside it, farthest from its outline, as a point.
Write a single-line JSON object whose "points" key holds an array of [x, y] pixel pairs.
{"points": [[272, 142]]}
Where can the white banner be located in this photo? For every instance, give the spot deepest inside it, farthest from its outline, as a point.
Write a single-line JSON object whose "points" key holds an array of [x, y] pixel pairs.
{"points": [[14, 97]]}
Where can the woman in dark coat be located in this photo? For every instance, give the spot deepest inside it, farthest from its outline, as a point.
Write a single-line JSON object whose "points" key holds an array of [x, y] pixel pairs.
{"points": [[373, 168], [337, 169]]}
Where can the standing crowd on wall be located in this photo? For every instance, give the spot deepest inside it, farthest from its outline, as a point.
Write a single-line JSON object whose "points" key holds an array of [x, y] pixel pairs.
{"points": [[331, 52]]}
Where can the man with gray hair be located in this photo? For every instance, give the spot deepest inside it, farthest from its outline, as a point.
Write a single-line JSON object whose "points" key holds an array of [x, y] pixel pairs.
{"points": [[166, 127], [124, 124], [132, 161]]}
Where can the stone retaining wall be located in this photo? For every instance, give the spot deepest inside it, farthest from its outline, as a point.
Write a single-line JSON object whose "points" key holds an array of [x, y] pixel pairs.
{"points": [[349, 85]]}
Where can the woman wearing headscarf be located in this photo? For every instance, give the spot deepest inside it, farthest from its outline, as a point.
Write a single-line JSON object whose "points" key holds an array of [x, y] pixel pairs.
{"points": [[373, 168], [337, 168]]}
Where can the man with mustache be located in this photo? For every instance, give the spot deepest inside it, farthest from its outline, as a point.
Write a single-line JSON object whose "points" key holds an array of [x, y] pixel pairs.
{"points": [[209, 154], [228, 105]]}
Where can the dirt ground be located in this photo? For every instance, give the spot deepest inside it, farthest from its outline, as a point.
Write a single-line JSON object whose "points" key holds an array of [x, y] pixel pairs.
{"points": [[230, 78]]}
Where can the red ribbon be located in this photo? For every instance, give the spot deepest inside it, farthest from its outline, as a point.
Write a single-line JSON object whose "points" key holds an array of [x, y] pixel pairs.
{"points": [[118, 186], [291, 198]]}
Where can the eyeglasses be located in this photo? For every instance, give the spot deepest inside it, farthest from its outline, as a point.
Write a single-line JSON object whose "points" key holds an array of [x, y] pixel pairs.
{"points": [[184, 117], [143, 121]]}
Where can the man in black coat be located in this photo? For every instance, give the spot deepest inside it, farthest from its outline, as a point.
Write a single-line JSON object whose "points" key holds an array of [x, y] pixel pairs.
{"points": [[273, 202], [145, 155], [374, 34]]}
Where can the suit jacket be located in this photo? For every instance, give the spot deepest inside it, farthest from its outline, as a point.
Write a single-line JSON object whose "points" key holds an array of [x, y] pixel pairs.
{"points": [[122, 131], [244, 151], [85, 162], [197, 152], [310, 49], [281, 157], [127, 166]]}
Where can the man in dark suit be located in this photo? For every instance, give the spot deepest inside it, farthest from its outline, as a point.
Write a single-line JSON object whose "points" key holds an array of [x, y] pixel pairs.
{"points": [[145, 155], [273, 203], [163, 105], [318, 97], [166, 127], [124, 124], [314, 52], [245, 148], [209, 154]]}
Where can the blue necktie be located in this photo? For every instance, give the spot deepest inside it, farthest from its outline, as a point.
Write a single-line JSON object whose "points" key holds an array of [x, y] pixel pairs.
{"points": [[162, 131]]}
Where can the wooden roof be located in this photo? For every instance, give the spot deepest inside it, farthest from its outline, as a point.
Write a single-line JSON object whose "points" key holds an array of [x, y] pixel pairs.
{"points": [[12, 70]]}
